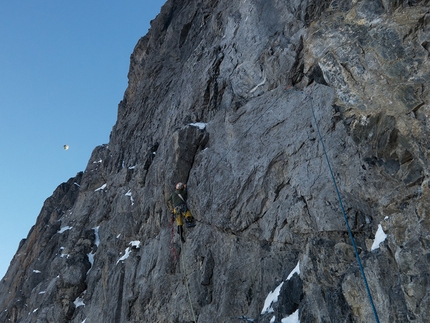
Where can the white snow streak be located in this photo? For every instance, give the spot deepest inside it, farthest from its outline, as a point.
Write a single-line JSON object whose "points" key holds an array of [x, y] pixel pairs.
{"points": [[64, 229], [273, 296], [270, 299], [380, 237], [36, 271], [96, 232], [296, 270], [125, 256], [199, 125], [100, 188], [293, 318], [131, 196], [91, 260], [92, 253], [133, 244]]}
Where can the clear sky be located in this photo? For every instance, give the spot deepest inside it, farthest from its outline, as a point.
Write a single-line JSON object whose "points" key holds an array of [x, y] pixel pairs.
{"points": [[63, 71]]}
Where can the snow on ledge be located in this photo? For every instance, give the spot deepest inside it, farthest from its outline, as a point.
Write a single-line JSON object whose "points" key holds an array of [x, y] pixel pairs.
{"points": [[100, 188], [273, 296], [131, 196], [135, 243], [199, 125], [293, 318], [64, 229], [380, 237], [79, 301], [125, 256], [96, 233], [127, 252], [296, 270]]}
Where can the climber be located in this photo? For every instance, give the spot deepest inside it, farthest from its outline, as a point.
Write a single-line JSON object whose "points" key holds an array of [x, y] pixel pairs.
{"points": [[177, 203]]}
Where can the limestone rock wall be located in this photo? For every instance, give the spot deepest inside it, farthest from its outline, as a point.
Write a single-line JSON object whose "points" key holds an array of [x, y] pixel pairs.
{"points": [[226, 96]]}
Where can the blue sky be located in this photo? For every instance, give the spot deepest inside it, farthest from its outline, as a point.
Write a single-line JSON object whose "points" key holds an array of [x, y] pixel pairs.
{"points": [[63, 71]]}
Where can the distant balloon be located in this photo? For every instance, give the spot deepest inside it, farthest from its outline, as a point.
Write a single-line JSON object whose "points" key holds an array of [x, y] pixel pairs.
{"points": [[66, 147]]}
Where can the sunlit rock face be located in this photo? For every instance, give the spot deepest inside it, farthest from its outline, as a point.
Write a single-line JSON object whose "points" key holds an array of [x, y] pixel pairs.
{"points": [[236, 99]]}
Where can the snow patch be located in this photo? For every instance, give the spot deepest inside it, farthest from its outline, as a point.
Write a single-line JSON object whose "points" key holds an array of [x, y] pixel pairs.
{"points": [[96, 233], [100, 188], [131, 196], [199, 125], [91, 260], [92, 253], [270, 299], [293, 318], [37, 271], [380, 237], [132, 167], [79, 301], [273, 296], [125, 256], [64, 229], [133, 244], [296, 270]]}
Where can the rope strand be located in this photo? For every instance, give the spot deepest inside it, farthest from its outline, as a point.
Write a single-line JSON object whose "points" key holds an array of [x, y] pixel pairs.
{"points": [[186, 281], [345, 217]]}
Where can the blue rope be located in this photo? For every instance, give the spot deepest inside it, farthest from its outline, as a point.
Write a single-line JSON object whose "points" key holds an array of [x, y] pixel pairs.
{"points": [[344, 216]]}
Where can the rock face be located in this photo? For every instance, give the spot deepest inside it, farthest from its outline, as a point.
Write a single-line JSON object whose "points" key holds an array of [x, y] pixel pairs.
{"points": [[230, 97]]}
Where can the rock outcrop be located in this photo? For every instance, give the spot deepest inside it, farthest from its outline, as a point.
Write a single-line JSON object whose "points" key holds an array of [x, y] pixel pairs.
{"points": [[230, 97]]}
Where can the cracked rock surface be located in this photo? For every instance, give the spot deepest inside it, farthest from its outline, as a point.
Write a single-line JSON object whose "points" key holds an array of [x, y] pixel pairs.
{"points": [[231, 97]]}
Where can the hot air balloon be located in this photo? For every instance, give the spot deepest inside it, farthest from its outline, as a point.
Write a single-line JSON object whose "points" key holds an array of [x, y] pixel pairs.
{"points": [[66, 147]]}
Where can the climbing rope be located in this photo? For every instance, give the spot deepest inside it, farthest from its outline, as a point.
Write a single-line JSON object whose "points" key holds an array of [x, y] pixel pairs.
{"points": [[186, 281], [344, 215], [174, 252], [337, 192]]}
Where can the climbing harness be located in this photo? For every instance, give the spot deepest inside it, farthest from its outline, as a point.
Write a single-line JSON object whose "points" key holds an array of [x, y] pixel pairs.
{"points": [[344, 214], [186, 281]]}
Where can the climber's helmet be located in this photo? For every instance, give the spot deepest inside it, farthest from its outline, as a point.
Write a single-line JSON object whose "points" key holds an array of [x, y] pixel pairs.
{"points": [[179, 186]]}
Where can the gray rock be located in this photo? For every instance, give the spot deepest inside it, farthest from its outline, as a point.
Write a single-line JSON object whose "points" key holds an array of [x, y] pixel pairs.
{"points": [[263, 77]]}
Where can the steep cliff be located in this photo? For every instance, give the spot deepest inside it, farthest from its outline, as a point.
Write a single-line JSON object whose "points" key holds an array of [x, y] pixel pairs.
{"points": [[230, 97]]}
